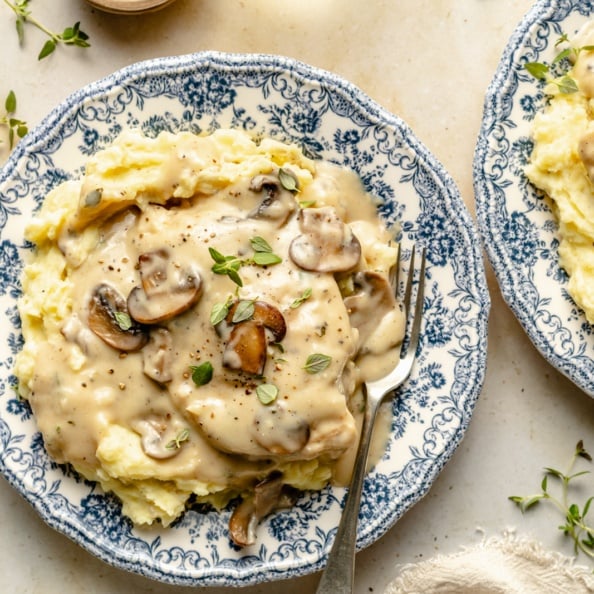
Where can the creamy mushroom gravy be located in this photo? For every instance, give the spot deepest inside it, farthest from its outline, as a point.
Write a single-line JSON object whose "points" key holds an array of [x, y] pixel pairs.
{"points": [[124, 307]]}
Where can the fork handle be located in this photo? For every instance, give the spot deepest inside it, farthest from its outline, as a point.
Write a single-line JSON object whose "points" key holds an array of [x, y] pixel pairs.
{"points": [[339, 575]]}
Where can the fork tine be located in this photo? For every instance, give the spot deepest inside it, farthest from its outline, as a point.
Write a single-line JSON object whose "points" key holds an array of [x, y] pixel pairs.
{"points": [[409, 282], [395, 271], [417, 314]]}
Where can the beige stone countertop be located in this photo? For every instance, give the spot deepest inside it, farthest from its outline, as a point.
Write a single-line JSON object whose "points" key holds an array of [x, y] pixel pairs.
{"points": [[430, 62]]}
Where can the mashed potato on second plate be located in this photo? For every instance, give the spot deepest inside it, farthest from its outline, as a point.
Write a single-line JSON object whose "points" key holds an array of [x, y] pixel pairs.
{"points": [[198, 315], [562, 165]]}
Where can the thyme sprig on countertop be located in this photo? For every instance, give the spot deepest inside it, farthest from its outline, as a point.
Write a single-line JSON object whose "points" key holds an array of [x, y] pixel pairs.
{"points": [[70, 36], [575, 526], [15, 126], [543, 71]]}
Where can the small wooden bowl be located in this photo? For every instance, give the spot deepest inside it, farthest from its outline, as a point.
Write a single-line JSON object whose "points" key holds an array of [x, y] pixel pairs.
{"points": [[129, 6]]}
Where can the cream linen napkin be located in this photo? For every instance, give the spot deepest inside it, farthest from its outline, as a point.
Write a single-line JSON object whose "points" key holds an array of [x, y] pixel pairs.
{"points": [[504, 564]]}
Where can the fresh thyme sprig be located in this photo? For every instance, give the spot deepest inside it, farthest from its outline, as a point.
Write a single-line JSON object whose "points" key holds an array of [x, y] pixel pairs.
{"points": [[230, 265], [575, 525], [301, 299], [541, 70], [15, 126], [179, 439], [70, 36]]}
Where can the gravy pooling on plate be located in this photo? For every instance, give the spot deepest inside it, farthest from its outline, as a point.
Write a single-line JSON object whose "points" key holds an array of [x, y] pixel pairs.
{"points": [[199, 315], [562, 165]]}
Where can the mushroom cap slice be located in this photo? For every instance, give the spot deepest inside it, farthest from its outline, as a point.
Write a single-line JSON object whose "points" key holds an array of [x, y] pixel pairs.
{"points": [[246, 348], [265, 314], [269, 494], [247, 340], [167, 289], [109, 319], [326, 243], [277, 204]]}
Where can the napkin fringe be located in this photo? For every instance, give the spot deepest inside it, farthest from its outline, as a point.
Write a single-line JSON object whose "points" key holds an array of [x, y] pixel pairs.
{"points": [[505, 564]]}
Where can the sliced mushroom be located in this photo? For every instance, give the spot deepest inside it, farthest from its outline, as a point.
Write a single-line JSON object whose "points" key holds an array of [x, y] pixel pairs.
{"points": [[157, 356], [246, 348], [247, 340], [158, 440], [372, 298], [167, 289], [269, 495], [277, 203], [109, 319], [326, 244]]}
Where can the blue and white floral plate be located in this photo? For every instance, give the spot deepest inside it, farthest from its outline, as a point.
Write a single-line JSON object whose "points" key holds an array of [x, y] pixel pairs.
{"points": [[515, 220], [329, 118]]}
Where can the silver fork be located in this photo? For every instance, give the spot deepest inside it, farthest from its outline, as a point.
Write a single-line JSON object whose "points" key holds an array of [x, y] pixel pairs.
{"points": [[339, 574]]}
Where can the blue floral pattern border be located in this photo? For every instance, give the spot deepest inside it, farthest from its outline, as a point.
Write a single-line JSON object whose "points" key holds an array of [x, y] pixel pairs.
{"points": [[328, 118], [515, 220]]}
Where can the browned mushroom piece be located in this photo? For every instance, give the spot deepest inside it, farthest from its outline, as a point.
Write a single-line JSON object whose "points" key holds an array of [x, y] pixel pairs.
{"points": [[109, 319], [373, 297], [157, 355], [247, 340], [167, 289], [326, 243], [246, 348], [157, 439], [277, 203], [269, 495]]}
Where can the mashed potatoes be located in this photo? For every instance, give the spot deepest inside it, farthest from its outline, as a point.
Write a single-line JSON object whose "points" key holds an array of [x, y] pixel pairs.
{"points": [[562, 165], [198, 315]]}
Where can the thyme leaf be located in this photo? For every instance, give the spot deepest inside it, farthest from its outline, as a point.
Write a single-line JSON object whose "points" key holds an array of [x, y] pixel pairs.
{"points": [[267, 393], [259, 244], [537, 70], [266, 259], [301, 299], [123, 320], [219, 311], [288, 180], [244, 311], [263, 254], [202, 374], [317, 362]]}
